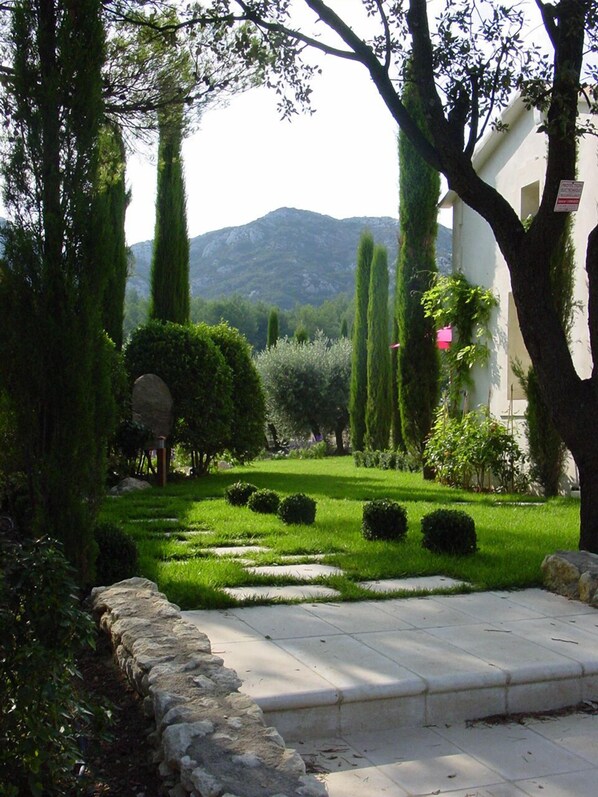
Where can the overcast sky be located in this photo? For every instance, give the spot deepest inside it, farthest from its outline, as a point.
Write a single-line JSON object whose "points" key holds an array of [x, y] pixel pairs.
{"points": [[245, 161]]}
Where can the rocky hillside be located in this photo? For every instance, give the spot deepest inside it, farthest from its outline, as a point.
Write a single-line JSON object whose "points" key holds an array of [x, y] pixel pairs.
{"points": [[287, 257]]}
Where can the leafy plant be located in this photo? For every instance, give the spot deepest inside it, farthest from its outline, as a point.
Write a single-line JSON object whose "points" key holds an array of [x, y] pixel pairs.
{"points": [[449, 531], [387, 460], [130, 441], [468, 451], [42, 631], [117, 554], [297, 508], [238, 494], [264, 501], [383, 519], [453, 301]]}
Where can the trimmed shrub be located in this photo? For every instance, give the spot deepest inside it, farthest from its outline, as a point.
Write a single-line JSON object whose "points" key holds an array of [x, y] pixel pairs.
{"points": [[449, 531], [117, 554], [384, 519], [238, 494], [264, 501], [297, 508]]}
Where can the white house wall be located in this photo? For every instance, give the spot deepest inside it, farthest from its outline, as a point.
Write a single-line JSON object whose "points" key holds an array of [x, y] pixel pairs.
{"points": [[509, 161]]}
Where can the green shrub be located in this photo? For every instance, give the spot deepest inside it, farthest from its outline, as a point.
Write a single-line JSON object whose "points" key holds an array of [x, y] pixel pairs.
{"points": [[130, 441], [297, 508], [42, 631], [383, 520], [238, 494], [472, 450], [264, 501], [117, 554], [315, 451], [387, 460], [449, 531]]}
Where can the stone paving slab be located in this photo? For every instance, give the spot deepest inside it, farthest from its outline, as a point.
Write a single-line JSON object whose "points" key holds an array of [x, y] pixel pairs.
{"points": [[236, 550], [555, 757], [411, 584], [291, 592], [305, 572]]}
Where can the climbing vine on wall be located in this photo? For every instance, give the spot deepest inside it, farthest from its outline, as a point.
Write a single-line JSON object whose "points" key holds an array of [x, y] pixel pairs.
{"points": [[453, 301]]}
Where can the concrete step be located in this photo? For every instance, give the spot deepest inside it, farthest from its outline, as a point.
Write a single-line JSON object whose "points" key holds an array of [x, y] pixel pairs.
{"points": [[330, 669]]}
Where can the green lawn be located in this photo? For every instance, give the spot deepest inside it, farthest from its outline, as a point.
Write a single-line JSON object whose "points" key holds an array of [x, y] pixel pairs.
{"points": [[512, 539]]}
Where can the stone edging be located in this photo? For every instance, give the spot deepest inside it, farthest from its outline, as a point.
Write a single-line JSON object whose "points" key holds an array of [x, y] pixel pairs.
{"points": [[573, 574], [211, 740]]}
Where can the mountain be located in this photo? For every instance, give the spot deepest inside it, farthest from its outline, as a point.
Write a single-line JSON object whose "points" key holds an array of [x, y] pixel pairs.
{"points": [[285, 258]]}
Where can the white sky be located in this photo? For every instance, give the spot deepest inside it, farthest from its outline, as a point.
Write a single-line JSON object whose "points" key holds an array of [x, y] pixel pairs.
{"points": [[245, 161]]}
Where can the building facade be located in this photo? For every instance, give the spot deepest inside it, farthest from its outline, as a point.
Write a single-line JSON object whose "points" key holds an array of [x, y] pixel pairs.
{"points": [[513, 161]]}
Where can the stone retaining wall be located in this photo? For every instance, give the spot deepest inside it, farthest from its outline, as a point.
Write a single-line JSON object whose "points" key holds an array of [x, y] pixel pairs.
{"points": [[211, 740]]}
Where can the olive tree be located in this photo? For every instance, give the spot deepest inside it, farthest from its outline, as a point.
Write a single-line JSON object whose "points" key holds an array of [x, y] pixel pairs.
{"points": [[307, 386]]}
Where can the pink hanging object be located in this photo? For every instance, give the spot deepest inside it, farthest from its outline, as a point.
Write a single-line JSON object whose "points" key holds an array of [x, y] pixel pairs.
{"points": [[394, 345], [444, 337]]}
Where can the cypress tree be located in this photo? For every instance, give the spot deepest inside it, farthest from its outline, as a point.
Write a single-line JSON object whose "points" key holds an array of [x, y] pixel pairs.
{"points": [[55, 362], [418, 362], [272, 328], [358, 394], [378, 405], [170, 299], [344, 328], [111, 249]]}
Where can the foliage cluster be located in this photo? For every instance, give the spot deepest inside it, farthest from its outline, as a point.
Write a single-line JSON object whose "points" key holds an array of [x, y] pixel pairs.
{"points": [[307, 386], [217, 401], [252, 317], [378, 410], [238, 493], [42, 630], [386, 460], [117, 554], [297, 508], [384, 519], [472, 450], [264, 501], [453, 301], [130, 441], [449, 531], [417, 361]]}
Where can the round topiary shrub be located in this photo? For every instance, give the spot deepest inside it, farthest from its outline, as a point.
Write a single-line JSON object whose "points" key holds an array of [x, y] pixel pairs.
{"points": [[449, 531], [237, 494], [117, 554], [297, 508], [383, 520], [264, 501]]}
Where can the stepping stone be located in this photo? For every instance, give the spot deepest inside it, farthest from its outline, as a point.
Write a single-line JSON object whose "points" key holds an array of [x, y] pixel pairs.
{"points": [[154, 520], [291, 592], [303, 572], [411, 584], [292, 557], [236, 550]]}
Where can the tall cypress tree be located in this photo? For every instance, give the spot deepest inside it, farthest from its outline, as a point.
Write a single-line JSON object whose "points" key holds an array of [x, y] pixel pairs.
{"points": [[358, 395], [417, 362], [170, 299], [272, 328], [378, 405], [111, 203], [54, 364]]}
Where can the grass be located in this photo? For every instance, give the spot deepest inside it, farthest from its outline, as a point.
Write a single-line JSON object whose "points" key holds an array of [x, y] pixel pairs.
{"points": [[512, 539]]}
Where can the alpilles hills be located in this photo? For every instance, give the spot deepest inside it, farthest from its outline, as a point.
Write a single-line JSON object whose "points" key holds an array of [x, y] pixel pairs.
{"points": [[285, 258]]}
